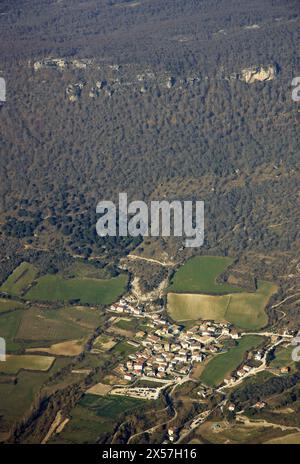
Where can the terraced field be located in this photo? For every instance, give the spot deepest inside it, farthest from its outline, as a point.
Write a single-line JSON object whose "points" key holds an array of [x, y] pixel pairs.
{"points": [[123, 349]]}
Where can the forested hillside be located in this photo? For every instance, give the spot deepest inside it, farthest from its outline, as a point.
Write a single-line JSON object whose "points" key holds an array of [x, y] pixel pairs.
{"points": [[152, 98]]}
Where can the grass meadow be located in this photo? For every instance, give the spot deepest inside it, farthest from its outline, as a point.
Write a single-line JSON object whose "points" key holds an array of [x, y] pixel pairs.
{"points": [[223, 364], [20, 279], [86, 290]]}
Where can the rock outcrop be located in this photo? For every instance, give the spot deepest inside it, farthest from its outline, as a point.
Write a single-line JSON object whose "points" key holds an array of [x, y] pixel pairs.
{"points": [[73, 91], [258, 74], [61, 63]]}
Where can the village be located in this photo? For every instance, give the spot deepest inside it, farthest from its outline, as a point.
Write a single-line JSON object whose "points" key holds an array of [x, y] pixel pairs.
{"points": [[168, 352]]}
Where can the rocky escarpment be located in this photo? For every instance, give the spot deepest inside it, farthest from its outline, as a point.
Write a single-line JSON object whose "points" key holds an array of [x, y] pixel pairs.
{"points": [[106, 79]]}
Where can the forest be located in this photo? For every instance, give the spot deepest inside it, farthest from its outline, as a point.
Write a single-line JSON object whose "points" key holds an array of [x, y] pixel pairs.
{"points": [[170, 117]]}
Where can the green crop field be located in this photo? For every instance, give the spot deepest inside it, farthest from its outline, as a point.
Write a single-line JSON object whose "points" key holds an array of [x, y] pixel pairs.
{"points": [[58, 324], [283, 357], [123, 349], [82, 269], [94, 416], [245, 310], [14, 363], [110, 406], [199, 275], [9, 305], [132, 325], [9, 326], [19, 280], [87, 291], [185, 307], [84, 427], [223, 364], [27, 327], [127, 325], [16, 398]]}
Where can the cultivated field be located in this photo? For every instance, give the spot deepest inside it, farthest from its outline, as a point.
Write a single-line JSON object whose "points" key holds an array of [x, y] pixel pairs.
{"points": [[185, 307], [223, 364], [14, 363], [69, 348], [9, 326], [9, 305], [124, 349], [20, 279], [223, 432], [132, 325], [84, 427], [94, 416], [70, 323], [110, 406], [291, 439], [99, 389], [245, 310], [104, 343], [283, 357], [82, 269], [199, 275], [86, 290], [17, 398]]}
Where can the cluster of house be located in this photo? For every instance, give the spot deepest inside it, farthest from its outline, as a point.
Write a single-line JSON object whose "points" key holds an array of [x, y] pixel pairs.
{"points": [[172, 434], [258, 405], [125, 307], [245, 368], [204, 391], [170, 352], [158, 359]]}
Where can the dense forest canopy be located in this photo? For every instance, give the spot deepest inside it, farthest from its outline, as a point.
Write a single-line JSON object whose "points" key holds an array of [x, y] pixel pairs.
{"points": [[151, 100]]}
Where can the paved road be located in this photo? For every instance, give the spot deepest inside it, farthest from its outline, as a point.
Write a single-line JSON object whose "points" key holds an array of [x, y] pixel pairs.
{"points": [[255, 371], [152, 429], [198, 420]]}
